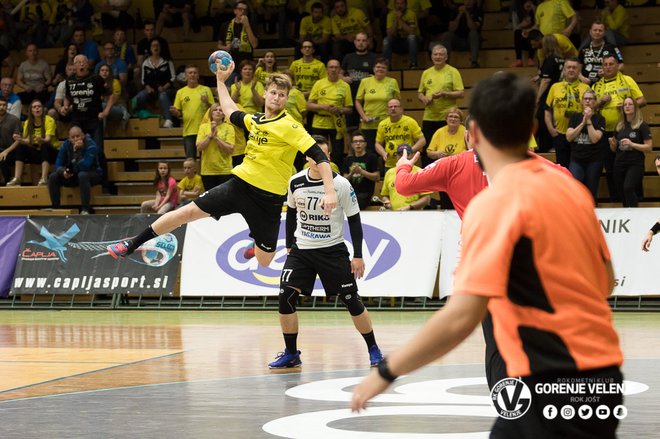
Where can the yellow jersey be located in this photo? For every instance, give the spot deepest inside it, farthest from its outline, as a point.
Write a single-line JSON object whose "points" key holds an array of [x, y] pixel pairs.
{"points": [[566, 48], [336, 93], [565, 99], [619, 88], [434, 80], [245, 95], [353, 23], [188, 100], [551, 15], [452, 144], [315, 31], [374, 95], [409, 17], [214, 160], [307, 73], [49, 129], [296, 105], [188, 184], [271, 149], [392, 134], [396, 199]]}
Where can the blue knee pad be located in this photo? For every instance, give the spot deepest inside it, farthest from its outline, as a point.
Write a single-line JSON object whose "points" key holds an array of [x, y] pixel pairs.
{"points": [[353, 302], [287, 300]]}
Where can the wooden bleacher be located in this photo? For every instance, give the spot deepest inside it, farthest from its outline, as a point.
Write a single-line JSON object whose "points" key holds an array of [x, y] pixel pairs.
{"points": [[132, 154]]}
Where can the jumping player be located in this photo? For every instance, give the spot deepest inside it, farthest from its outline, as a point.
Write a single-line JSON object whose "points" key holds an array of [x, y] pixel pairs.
{"points": [[258, 189], [315, 242], [547, 296]]}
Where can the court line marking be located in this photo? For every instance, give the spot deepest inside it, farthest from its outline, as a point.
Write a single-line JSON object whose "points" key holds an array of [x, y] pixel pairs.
{"points": [[210, 380], [85, 373]]}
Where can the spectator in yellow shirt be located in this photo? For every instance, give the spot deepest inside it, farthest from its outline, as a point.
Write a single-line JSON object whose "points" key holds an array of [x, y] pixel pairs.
{"points": [[450, 139], [615, 18], [190, 186]]}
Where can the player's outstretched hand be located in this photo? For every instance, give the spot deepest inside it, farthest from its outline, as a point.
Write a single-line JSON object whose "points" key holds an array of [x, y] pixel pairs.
{"points": [[222, 75], [405, 161], [371, 386], [357, 267], [329, 202], [646, 244]]}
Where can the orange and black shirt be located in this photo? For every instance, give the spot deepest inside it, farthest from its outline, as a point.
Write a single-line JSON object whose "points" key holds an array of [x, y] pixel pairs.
{"points": [[533, 245]]}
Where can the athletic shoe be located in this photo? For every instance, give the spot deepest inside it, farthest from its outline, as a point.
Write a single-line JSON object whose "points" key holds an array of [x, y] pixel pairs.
{"points": [[375, 356], [168, 124], [286, 360], [248, 252], [13, 182], [517, 63], [531, 62], [120, 249]]}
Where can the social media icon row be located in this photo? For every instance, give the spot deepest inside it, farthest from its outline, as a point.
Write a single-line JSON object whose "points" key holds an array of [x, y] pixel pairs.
{"points": [[584, 412]]}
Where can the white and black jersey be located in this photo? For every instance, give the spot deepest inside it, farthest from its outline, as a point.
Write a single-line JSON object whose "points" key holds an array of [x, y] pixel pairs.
{"points": [[314, 229]]}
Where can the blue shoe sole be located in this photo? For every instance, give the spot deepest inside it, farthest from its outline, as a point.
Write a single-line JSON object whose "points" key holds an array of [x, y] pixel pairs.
{"points": [[285, 367]]}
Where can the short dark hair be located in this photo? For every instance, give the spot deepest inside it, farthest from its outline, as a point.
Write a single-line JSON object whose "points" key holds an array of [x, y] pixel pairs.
{"points": [[246, 62], [503, 109], [382, 60], [317, 5], [358, 133], [3, 99], [611, 55]]}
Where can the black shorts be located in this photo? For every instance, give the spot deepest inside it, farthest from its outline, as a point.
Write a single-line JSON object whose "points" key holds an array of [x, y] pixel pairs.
{"points": [[332, 264], [546, 416], [260, 209]]}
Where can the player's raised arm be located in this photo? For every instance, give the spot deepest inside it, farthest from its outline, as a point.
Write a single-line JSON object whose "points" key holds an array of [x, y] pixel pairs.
{"points": [[226, 102]]}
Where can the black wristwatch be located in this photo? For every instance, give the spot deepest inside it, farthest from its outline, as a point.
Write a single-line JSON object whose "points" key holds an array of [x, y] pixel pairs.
{"points": [[384, 371]]}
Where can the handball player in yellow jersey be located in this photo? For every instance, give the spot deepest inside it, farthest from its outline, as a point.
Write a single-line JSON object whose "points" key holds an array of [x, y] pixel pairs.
{"points": [[259, 185]]}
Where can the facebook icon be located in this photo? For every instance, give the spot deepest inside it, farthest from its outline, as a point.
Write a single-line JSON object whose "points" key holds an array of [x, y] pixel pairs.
{"points": [[550, 411]]}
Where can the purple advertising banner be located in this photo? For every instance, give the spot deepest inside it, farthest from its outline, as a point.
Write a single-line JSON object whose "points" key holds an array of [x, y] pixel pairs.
{"points": [[67, 255], [11, 235]]}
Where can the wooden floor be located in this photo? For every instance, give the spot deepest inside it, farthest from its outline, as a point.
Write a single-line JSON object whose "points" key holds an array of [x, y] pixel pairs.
{"points": [[203, 374]]}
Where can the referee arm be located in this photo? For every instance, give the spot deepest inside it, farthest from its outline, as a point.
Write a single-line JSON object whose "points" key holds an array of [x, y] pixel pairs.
{"points": [[646, 244]]}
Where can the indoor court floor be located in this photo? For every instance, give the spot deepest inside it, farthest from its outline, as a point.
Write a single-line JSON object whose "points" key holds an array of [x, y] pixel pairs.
{"points": [[203, 374]]}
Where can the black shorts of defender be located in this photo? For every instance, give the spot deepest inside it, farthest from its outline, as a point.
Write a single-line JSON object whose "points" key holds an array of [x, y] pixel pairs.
{"points": [[557, 412], [260, 209], [332, 264]]}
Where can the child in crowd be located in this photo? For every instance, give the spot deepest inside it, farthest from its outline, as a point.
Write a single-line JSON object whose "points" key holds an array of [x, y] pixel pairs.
{"points": [[166, 192], [190, 186]]}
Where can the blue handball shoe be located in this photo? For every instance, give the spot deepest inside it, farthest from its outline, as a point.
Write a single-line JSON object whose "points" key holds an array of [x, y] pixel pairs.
{"points": [[375, 356], [286, 360]]}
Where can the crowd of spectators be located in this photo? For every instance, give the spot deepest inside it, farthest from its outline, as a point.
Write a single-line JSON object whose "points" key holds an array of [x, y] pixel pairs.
{"points": [[341, 84]]}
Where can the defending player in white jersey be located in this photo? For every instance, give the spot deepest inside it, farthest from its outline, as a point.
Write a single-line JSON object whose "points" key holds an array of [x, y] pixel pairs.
{"points": [[316, 246]]}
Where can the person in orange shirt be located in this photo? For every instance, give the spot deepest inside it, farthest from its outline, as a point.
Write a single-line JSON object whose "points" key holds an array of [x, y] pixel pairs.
{"points": [[547, 296]]}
